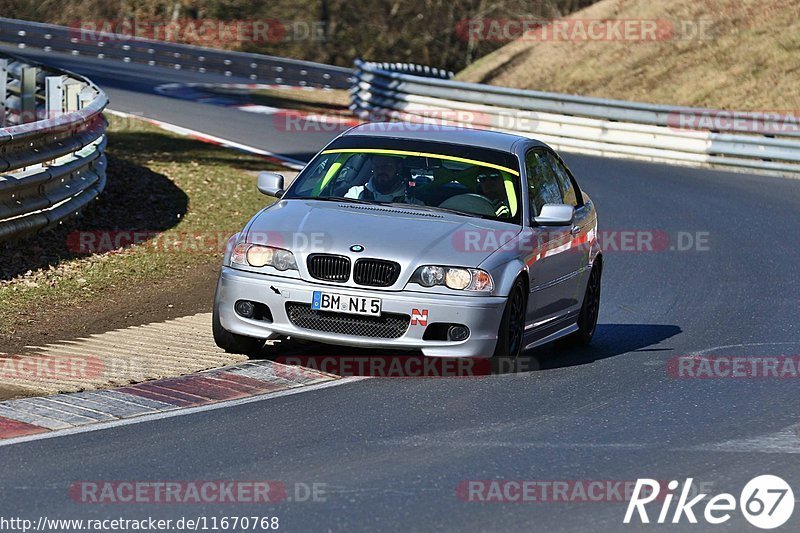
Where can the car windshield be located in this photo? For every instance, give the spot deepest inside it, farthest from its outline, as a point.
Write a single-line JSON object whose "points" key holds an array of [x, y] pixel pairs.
{"points": [[412, 179]]}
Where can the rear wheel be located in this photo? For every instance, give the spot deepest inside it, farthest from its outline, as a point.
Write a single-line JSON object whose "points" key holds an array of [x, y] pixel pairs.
{"points": [[233, 343], [512, 326], [587, 320]]}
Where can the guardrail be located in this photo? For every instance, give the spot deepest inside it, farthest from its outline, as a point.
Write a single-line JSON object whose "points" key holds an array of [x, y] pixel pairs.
{"points": [[52, 142], [589, 125], [115, 47]]}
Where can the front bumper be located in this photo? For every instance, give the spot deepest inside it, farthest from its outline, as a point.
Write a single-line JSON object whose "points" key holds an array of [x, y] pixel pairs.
{"points": [[482, 315]]}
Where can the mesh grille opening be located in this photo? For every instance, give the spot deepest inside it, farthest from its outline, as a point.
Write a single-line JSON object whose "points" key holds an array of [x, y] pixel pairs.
{"points": [[386, 326]]}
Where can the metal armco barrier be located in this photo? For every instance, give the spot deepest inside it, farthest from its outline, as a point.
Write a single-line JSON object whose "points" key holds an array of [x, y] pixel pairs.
{"points": [[52, 142], [114, 47], [678, 135]]}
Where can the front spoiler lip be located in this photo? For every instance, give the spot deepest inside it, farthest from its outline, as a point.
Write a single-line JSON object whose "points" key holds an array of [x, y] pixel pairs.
{"points": [[481, 314]]}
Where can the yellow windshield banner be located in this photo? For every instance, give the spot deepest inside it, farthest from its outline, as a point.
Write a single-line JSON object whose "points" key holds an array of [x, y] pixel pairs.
{"points": [[330, 174], [419, 154], [510, 195]]}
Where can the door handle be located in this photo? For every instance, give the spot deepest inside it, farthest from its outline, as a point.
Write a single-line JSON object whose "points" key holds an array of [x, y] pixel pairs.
{"points": [[575, 230]]}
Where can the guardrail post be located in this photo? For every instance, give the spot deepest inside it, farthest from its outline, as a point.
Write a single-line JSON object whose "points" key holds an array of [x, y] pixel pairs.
{"points": [[73, 100], [28, 95], [3, 91], [86, 95], [54, 96]]}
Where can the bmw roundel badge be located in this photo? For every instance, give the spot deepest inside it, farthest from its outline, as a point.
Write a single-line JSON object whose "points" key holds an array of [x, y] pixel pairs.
{"points": [[356, 248]]}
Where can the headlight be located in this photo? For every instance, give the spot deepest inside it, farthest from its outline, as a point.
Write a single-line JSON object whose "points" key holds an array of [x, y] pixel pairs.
{"points": [[284, 260], [457, 278], [431, 275], [460, 279], [259, 256]]}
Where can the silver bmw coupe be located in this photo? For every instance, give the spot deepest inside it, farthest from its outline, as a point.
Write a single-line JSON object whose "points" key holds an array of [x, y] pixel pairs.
{"points": [[453, 241]]}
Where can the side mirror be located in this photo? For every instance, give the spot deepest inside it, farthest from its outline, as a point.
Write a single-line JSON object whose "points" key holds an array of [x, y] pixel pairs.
{"points": [[271, 184], [555, 215]]}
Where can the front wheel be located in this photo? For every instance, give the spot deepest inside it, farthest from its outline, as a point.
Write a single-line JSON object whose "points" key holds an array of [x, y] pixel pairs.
{"points": [[233, 343], [512, 326], [587, 320]]}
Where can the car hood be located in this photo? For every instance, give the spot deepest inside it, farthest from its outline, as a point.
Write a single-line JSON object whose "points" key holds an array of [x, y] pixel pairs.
{"points": [[411, 237]]}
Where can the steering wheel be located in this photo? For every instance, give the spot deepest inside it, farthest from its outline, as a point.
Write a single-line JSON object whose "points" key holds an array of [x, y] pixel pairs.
{"points": [[470, 203]]}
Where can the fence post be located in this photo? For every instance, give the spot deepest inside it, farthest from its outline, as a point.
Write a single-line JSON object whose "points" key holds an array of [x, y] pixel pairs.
{"points": [[3, 91], [27, 95]]}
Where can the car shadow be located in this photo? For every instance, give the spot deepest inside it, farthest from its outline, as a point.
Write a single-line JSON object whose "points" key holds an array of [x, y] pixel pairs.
{"points": [[135, 199], [610, 340]]}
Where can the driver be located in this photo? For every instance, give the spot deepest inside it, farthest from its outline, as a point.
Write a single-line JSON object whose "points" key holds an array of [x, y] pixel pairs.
{"points": [[385, 185], [492, 186]]}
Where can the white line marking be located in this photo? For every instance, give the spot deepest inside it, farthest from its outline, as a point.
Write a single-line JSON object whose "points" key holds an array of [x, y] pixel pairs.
{"points": [[260, 109], [180, 412], [743, 345], [786, 440], [420, 442]]}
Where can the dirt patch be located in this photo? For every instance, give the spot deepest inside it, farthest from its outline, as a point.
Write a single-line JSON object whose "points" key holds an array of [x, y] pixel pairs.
{"points": [[185, 293]]}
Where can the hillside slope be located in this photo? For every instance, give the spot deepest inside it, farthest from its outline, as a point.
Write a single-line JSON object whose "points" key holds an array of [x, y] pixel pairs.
{"points": [[748, 60]]}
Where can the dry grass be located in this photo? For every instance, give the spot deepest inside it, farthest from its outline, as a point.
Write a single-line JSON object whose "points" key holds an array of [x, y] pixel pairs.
{"points": [[749, 62]]}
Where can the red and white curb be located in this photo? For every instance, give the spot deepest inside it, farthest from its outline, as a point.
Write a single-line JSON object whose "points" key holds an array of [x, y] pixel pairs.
{"points": [[252, 380]]}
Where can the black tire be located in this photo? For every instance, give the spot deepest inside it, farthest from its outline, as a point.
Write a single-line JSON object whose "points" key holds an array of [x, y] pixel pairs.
{"points": [[510, 336], [233, 343], [590, 309]]}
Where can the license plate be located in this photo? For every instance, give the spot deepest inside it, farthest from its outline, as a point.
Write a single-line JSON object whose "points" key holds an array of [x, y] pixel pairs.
{"points": [[342, 303]]}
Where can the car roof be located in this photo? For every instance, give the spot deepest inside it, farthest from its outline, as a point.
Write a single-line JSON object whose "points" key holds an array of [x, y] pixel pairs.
{"points": [[439, 133]]}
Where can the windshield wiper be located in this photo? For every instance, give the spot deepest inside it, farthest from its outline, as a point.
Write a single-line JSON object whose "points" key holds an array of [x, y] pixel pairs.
{"points": [[434, 208], [335, 199]]}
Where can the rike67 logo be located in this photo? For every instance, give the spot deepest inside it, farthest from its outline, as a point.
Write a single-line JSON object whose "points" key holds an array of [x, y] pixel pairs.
{"points": [[766, 502]]}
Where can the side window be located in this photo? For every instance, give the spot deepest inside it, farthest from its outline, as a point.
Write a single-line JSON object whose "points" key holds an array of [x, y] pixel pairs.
{"points": [[564, 183], [542, 181]]}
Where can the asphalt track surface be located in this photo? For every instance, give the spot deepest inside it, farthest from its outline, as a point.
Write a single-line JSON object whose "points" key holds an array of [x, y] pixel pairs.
{"points": [[393, 451]]}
